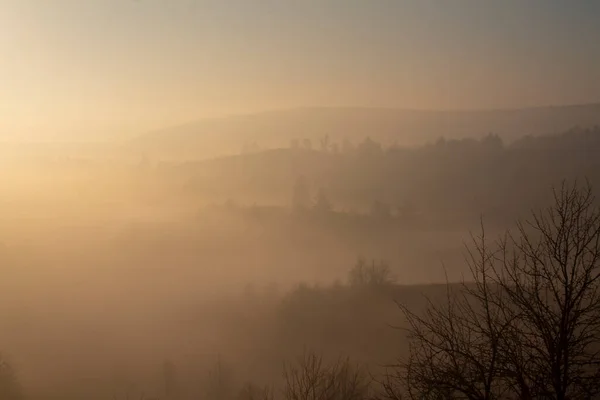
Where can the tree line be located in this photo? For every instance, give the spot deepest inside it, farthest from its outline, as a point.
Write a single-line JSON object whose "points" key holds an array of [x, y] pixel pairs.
{"points": [[448, 179], [523, 324]]}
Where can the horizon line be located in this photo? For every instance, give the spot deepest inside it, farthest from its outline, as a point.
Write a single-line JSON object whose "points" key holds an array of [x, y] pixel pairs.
{"points": [[359, 107]]}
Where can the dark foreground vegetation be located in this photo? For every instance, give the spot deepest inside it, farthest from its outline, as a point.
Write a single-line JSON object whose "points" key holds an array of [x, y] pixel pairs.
{"points": [[445, 179], [524, 324], [180, 280]]}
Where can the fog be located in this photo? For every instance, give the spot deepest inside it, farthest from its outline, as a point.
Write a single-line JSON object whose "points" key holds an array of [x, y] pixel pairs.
{"points": [[274, 200], [104, 274], [114, 264]]}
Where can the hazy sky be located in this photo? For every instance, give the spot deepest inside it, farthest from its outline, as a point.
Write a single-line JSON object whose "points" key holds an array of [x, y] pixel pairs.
{"points": [[121, 66]]}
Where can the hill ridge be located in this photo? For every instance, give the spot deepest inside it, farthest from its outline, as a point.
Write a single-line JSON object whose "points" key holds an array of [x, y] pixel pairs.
{"points": [[277, 128]]}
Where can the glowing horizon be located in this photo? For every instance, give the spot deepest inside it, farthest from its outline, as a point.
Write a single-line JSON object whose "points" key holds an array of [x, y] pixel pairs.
{"points": [[116, 67]]}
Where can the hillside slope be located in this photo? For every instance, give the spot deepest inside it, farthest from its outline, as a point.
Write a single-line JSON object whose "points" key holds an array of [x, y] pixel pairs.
{"points": [[211, 137]]}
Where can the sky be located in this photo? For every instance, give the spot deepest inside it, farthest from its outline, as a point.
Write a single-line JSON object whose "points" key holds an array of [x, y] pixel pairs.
{"points": [[110, 68]]}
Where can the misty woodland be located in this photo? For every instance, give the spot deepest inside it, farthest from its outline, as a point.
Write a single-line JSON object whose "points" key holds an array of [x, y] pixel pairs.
{"points": [[457, 269], [299, 200]]}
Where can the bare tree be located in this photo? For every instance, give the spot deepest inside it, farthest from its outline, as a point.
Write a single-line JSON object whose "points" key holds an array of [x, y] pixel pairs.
{"points": [[527, 323], [550, 272], [220, 381], [254, 392], [312, 379], [373, 274]]}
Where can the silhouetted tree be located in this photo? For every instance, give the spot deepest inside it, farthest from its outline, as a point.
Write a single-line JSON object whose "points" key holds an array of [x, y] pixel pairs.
{"points": [[373, 274], [441, 142], [492, 142], [527, 324], [310, 378], [370, 148], [220, 381], [254, 392]]}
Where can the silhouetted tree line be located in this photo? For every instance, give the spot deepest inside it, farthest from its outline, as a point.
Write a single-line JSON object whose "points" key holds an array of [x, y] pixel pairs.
{"points": [[447, 179], [524, 324]]}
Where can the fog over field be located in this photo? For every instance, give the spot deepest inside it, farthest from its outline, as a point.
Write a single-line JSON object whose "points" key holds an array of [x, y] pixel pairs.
{"points": [[289, 200]]}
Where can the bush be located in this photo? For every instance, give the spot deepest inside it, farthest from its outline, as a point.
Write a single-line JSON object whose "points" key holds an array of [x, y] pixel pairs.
{"points": [[373, 274], [310, 378]]}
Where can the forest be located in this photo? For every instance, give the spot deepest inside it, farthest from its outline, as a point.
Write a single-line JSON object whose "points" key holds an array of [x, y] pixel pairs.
{"points": [[318, 271], [299, 200]]}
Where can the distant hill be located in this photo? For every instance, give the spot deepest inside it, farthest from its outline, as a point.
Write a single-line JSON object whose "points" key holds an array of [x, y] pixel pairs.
{"points": [[229, 135], [451, 178]]}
